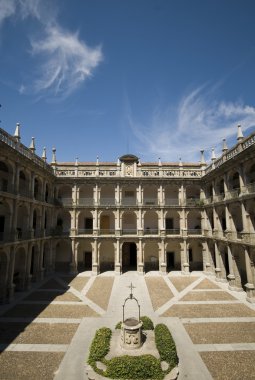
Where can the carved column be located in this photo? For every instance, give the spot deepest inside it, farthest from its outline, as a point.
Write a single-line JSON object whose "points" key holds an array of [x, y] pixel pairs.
{"points": [[250, 287], [117, 257], [140, 265], [162, 257]]}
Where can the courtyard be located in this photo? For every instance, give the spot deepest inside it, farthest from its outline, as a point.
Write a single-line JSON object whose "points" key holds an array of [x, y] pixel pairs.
{"points": [[45, 333]]}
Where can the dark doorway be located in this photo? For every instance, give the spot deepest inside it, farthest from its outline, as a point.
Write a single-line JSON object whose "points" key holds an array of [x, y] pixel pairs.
{"points": [[169, 224], [170, 261], [88, 260], [129, 257], [226, 262]]}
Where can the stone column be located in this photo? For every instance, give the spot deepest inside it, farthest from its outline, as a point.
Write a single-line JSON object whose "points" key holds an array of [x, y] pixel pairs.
{"points": [[95, 195], [10, 284], [95, 263], [184, 258], [74, 262], [117, 257], [140, 264], [117, 194], [206, 261], [140, 222], [250, 288], [218, 268], [95, 221], [162, 257], [245, 217]]}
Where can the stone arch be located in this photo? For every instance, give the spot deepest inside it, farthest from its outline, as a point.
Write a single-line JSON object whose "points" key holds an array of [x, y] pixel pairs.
{"points": [[84, 256], [129, 256], [106, 256], [151, 256], [34, 264], [63, 222], [86, 193], [6, 174], [172, 222], [4, 262], [22, 227], [150, 223], [172, 195], [19, 273], [195, 254], [107, 195], [150, 195], [63, 258], [47, 257], [24, 183], [107, 222], [173, 256], [194, 222], [85, 222], [5, 216], [129, 222], [192, 195]]}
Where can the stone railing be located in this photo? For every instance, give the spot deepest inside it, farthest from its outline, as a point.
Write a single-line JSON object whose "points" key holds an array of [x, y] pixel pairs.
{"points": [[244, 144], [11, 141]]}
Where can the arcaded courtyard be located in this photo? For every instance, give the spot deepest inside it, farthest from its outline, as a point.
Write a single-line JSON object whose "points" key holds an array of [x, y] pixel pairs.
{"points": [[46, 332]]}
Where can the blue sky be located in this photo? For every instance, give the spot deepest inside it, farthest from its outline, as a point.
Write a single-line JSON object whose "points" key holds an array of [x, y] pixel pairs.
{"points": [[156, 78]]}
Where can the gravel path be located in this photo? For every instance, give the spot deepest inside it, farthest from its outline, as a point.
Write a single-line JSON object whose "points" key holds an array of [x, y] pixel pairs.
{"points": [[29, 365], [238, 365], [37, 333], [206, 284], [51, 311], [100, 291], [158, 290], [51, 296], [180, 283], [209, 311], [207, 296], [220, 332], [77, 283]]}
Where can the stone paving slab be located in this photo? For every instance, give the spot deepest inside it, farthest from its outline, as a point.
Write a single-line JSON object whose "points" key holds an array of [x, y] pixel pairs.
{"points": [[159, 291], [181, 283], [237, 365], [29, 365], [209, 311], [100, 291], [220, 332], [206, 284], [77, 283], [51, 296], [35, 333], [51, 311], [225, 347], [36, 347], [207, 296]]}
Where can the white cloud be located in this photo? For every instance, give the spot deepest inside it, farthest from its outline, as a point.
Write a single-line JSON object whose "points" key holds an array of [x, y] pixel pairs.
{"points": [[198, 122], [7, 9], [67, 62]]}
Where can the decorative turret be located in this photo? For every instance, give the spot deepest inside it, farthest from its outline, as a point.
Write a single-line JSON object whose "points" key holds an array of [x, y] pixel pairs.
{"points": [[239, 133], [44, 157], [213, 157], [32, 145], [17, 132], [224, 146], [202, 159], [54, 160]]}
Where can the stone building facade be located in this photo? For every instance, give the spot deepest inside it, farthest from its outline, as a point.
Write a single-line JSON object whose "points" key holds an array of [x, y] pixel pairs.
{"points": [[128, 215]]}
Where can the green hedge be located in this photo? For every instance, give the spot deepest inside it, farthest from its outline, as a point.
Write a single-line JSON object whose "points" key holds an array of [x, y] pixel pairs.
{"points": [[166, 346], [100, 345], [134, 367], [147, 324]]}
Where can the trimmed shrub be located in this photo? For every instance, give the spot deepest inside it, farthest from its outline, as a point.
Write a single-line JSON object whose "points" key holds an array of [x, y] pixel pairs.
{"points": [[134, 367], [100, 345], [147, 324], [166, 346]]}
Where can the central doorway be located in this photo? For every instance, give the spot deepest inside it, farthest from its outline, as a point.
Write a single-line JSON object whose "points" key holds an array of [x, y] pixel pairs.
{"points": [[129, 256]]}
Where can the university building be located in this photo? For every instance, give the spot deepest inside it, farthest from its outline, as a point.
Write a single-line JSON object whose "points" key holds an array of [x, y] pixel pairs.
{"points": [[126, 215]]}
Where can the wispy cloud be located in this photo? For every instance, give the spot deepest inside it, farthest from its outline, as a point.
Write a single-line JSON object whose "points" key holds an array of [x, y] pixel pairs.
{"points": [[66, 61], [197, 122], [7, 9]]}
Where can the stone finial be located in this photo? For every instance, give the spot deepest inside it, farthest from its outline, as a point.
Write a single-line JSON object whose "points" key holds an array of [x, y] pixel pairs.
{"points": [[54, 160], [76, 161], [32, 145], [239, 133], [224, 146], [202, 160], [159, 162], [118, 162], [17, 132], [139, 161], [97, 162], [213, 157], [44, 157], [180, 162]]}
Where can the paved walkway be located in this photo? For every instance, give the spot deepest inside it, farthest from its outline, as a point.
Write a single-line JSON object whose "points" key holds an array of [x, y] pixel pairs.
{"points": [[158, 296]]}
